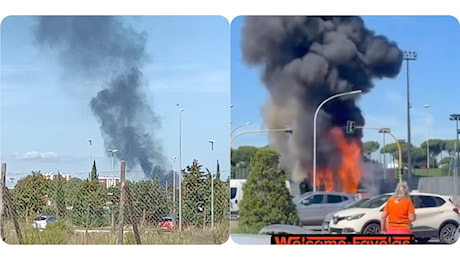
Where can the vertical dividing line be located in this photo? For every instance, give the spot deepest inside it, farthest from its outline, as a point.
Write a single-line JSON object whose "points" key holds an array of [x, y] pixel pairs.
{"points": [[2, 191]]}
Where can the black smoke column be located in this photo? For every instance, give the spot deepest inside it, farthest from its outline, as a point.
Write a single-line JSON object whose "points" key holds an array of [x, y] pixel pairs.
{"points": [[103, 50], [305, 60]]}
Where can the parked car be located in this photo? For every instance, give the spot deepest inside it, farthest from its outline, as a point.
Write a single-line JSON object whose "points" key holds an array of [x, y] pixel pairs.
{"points": [[41, 222], [436, 217], [169, 223], [313, 207], [328, 219]]}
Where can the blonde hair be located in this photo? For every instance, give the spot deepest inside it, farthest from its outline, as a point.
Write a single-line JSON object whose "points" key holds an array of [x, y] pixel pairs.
{"points": [[402, 190]]}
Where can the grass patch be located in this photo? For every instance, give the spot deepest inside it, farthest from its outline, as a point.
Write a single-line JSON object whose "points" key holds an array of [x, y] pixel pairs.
{"points": [[431, 172], [63, 234]]}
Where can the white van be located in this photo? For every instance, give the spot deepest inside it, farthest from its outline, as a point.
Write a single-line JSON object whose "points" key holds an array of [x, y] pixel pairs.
{"points": [[236, 195]]}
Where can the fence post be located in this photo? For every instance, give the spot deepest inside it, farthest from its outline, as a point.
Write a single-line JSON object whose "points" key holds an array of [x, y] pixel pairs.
{"points": [[2, 191], [12, 212], [121, 203]]}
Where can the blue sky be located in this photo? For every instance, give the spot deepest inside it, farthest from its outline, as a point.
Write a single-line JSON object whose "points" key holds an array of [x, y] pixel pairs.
{"points": [[434, 80], [46, 127]]}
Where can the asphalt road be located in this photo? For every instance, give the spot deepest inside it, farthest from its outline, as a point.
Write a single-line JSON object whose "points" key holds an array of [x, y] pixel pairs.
{"points": [[254, 239]]}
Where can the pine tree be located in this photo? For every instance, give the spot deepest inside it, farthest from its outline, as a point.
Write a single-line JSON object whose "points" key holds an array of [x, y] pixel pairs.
{"points": [[218, 171], [266, 198], [60, 196], [94, 175]]}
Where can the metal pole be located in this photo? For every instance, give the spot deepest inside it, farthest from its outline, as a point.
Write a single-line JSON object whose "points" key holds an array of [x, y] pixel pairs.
{"points": [[427, 140], [91, 152], [384, 159], [112, 164], [180, 168], [174, 185], [314, 129], [456, 160], [212, 185], [409, 150], [121, 214], [409, 55], [455, 117]]}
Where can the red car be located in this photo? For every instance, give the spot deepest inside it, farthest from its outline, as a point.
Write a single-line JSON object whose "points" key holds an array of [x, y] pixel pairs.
{"points": [[169, 223]]}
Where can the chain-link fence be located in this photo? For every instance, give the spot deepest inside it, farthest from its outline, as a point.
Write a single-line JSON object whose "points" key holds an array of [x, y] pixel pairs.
{"points": [[112, 210]]}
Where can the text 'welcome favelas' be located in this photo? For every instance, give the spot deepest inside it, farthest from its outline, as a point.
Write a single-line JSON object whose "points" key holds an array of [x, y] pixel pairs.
{"points": [[342, 239]]}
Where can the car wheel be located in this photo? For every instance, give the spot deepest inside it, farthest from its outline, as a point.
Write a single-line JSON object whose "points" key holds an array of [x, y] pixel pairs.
{"points": [[447, 233], [423, 240], [372, 228]]}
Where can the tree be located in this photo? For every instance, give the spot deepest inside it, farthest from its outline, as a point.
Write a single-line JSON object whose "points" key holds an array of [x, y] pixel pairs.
{"points": [[266, 198], [241, 161], [31, 194], [94, 175], [370, 147], [449, 146], [59, 196], [147, 201], [88, 208], [419, 156], [436, 146], [195, 194], [218, 171]]}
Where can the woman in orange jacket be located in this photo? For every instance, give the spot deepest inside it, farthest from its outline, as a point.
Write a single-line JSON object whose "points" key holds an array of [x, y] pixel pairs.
{"points": [[399, 212]]}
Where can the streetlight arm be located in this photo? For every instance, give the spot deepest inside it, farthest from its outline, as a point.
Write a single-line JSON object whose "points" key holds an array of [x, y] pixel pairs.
{"points": [[245, 124], [286, 130]]}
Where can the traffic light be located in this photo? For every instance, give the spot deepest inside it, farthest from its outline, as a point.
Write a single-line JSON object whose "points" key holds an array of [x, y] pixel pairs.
{"points": [[399, 172], [350, 127]]}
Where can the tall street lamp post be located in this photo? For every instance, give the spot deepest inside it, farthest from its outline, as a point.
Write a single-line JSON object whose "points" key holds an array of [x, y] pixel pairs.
{"points": [[383, 131], [180, 167], [91, 152], [456, 117], [112, 151], [409, 56], [212, 142], [173, 159], [427, 139]]}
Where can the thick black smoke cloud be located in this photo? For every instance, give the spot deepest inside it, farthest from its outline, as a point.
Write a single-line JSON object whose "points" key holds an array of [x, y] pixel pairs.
{"points": [[305, 60], [103, 50]]}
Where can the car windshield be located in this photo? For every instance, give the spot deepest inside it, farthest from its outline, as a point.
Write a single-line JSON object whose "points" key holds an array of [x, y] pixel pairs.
{"points": [[40, 218], [375, 202], [356, 204], [232, 193]]}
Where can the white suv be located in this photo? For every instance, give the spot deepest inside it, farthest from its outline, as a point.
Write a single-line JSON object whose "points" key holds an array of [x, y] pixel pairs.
{"points": [[436, 217]]}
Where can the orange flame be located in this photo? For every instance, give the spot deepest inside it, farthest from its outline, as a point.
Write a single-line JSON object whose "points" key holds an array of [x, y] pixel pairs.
{"points": [[349, 172]]}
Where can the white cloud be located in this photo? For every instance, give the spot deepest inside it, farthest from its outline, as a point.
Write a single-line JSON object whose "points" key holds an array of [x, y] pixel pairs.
{"points": [[34, 155]]}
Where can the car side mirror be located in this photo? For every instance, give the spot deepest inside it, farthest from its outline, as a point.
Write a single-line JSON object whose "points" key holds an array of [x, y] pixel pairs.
{"points": [[306, 202]]}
